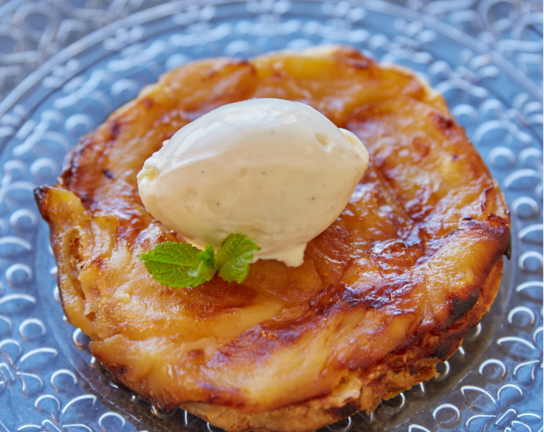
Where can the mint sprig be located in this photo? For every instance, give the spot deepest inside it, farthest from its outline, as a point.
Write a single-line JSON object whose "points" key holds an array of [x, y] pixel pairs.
{"points": [[180, 265], [234, 257]]}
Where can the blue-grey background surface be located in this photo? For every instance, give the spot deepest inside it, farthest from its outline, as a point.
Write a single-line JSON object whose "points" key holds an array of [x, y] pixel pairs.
{"points": [[66, 64]]}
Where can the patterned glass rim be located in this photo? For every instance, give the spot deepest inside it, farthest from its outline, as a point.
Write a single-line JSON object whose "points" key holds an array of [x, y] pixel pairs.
{"points": [[169, 8]]}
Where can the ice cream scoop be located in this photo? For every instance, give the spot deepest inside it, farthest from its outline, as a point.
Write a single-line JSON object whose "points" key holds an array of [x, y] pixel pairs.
{"points": [[278, 171]]}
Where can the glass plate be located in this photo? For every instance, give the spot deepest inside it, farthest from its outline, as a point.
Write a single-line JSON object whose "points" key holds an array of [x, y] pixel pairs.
{"points": [[48, 378]]}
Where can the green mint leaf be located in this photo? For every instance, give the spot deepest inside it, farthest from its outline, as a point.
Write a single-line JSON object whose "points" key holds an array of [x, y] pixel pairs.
{"points": [[178, 265], [208, 256], [234, 257]]}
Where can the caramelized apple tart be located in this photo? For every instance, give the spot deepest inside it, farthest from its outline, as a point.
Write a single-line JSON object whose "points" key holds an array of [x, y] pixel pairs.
{"points": [[389, 290]]}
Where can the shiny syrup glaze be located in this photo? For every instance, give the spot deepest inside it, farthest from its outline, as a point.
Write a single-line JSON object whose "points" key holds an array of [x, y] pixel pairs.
{"points": [[404, 262]]}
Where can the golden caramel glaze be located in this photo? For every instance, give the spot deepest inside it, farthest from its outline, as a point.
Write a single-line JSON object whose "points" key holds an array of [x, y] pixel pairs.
{"points": [[361, 389], [386, 292]]}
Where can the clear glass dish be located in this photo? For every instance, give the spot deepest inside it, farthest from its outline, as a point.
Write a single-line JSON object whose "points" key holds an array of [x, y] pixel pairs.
{"points": [[48, 378]]}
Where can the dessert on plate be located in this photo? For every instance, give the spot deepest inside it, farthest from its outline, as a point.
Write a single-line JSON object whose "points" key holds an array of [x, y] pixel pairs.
{"points": [[382, 295]]}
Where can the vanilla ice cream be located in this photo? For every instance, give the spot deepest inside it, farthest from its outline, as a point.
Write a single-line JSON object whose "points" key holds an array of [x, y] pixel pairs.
{"points": [[278, 171]]}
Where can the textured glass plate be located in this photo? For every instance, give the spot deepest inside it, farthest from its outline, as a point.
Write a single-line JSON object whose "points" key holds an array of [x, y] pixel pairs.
{"points": [[49, 380]]}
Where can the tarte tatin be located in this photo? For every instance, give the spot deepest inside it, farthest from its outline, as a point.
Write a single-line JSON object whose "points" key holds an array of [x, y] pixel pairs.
{"points": [[387, 292]]}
